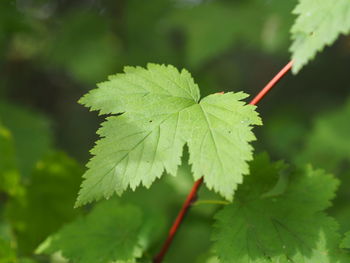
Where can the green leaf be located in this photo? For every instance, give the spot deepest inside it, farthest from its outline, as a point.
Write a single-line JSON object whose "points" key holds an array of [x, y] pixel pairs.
{"points": [[7, 252], [218, 131], [31, 134], [9, 176], [341, 209], [47, 203], [141, 90], [162, 113], [346, 241], [166, 198], [319, 23], [110, 232], [327, 145], [290, 227]]}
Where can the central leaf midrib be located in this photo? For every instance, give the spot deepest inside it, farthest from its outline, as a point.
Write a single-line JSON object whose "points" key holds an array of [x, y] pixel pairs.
{"points": [[211, 134]]}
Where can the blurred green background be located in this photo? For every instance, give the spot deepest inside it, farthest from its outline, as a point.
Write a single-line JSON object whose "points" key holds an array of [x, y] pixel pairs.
{"points": [[54, 51]]}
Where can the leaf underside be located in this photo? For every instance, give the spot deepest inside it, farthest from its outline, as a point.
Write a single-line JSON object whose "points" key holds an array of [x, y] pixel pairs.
{"points": [[319, 23], [160, 112]]}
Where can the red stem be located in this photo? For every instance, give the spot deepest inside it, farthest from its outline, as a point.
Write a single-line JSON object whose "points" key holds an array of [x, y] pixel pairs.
{"points": [[190, 198], [193, 193], [272, 83]]}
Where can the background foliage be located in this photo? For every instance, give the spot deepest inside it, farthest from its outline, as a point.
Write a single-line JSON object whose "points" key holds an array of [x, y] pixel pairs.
{"points": [[54, 51]]}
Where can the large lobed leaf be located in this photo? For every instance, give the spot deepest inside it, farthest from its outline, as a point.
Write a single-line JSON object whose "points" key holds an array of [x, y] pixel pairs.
{"points": [[263, 225], [161, 112], [319, 23]]}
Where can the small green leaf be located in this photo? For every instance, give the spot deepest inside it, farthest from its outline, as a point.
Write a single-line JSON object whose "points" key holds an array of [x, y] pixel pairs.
{"points": [[319, 23], [111, 232], [162, 112]]}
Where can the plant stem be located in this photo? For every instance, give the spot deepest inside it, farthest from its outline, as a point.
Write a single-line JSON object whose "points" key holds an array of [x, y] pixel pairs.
{"points": [[192, 196], [272, 83]]}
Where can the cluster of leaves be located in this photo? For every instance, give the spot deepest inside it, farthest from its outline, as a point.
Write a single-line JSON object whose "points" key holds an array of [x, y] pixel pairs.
{"points": [[276, 212], [272, 213]]}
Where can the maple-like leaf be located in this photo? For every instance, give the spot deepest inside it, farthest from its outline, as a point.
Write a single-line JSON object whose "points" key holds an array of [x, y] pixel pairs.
{"points": [[161, 112], [287, 226], [319, 23], [110, 232]]}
